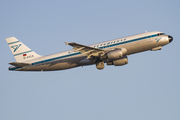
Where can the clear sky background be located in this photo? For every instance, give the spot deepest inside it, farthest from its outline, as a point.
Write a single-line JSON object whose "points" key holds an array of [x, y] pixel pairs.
{"points": [[147, 88]]}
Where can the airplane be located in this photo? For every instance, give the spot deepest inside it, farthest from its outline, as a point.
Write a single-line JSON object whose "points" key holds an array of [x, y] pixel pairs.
{"points": [[113, 52]]}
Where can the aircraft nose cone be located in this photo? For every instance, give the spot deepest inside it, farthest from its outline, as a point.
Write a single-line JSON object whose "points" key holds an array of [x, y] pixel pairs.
{"points": [[170, 38]]}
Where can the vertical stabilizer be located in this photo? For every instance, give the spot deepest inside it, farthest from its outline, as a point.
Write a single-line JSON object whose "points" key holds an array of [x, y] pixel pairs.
{"points": [[20, 51]]}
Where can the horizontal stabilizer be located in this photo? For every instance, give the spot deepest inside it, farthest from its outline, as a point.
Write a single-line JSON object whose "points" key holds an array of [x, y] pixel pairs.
{"points": [[18, 64]]}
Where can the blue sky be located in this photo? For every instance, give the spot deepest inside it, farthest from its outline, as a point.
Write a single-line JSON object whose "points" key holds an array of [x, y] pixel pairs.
{"points": [[146, 88]]}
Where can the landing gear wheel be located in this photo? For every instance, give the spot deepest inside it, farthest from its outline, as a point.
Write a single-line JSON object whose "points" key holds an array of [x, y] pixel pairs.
{"points": [[100, 65]]}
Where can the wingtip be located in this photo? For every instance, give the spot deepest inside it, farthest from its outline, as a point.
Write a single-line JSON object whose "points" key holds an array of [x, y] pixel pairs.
{"points": [[66, 43]]}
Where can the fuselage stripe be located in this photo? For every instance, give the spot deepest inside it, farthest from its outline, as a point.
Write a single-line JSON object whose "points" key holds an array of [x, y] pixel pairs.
{"points": [[13, 42], [22, 53]]}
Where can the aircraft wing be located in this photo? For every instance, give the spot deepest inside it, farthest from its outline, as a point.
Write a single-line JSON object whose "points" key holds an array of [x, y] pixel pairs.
{"points": [[89, 51]]}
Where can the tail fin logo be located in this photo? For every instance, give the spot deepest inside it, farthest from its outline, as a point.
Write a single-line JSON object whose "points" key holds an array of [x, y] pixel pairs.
{"points": [[15, 47]]}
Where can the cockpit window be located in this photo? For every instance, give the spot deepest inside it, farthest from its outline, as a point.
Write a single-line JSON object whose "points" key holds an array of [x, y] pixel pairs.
{"points": [[160, 34]]}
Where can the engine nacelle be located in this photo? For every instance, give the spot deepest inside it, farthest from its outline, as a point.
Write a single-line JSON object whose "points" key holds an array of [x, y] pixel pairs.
{"points": [[116, 54], [119, 62]]}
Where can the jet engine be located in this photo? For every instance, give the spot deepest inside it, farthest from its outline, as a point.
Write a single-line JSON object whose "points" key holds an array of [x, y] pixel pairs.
{"points": [[116, 54], [119, 62]]}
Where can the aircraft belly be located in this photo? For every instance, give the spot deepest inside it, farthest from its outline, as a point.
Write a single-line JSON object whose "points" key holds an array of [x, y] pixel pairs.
{"points": [[57, 65], [50, 67]]}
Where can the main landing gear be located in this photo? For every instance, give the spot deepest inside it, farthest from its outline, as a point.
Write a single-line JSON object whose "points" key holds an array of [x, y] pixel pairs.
{"points": [[100, 65]]}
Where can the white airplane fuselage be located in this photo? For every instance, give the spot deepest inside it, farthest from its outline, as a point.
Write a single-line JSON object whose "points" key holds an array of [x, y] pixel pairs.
{"points": [[74, 58]]}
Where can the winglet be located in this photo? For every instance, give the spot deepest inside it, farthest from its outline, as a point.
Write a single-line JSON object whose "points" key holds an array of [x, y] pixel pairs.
{"points": [[66, 43]]}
